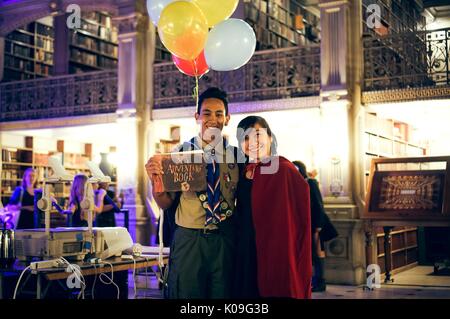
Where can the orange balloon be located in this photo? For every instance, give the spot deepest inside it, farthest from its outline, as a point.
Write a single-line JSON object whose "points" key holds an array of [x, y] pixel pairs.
{"points": [[183, 29]]}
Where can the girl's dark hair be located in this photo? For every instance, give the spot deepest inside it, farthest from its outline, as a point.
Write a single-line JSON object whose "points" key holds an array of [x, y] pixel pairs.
{"points": [[216, 93], [301, 168], [250, 122]]}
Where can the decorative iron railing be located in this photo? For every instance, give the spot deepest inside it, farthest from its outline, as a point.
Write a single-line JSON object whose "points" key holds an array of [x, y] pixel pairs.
{"points": [[407, 60], [59, 96], [271, 74]]}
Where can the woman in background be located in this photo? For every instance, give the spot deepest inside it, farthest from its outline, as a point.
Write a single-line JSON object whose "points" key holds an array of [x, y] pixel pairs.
{"points": [[80, 215], [321, 228], [273, 227], [111, 205], [23, 200]]}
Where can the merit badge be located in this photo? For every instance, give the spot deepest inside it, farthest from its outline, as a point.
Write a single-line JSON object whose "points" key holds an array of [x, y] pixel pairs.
{"points": [[202, 197], [205, 205], [227, 177], [224, 205], [229, 212]]}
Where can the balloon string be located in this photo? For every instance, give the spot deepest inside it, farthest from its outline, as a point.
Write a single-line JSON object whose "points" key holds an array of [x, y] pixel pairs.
{"points": [[196, 86]]}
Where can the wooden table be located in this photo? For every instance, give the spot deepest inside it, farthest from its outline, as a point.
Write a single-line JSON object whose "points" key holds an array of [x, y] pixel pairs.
{"points": [[46, 277]]}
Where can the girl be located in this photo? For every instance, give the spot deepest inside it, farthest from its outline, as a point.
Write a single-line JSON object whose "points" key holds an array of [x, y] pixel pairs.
{"points": [[23, 200], [80, 215], [273, 220]]}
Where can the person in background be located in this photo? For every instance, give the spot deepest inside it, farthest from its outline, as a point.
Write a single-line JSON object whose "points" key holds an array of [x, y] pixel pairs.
{"points": [[23, 200], [321, 227], [80, 216], [111, 205], [273, 227]]}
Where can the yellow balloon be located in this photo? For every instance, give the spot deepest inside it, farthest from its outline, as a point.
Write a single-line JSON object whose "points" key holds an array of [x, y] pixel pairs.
{"points": [[183, 29], [216, 11]]}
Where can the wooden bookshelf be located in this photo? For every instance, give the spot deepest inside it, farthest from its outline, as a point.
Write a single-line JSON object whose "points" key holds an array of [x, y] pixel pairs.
{"points": [[386, 138], [281, 23], [94, 46], [277, 24], [14, 161], [161, 53], [29, 50], [396, 16]]}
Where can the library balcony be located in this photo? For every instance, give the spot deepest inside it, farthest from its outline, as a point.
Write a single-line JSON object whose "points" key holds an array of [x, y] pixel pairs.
{"points": [[270, 74], [59, 96], [407, 60]]}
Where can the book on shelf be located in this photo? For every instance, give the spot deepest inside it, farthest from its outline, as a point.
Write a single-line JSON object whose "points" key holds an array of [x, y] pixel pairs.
{"points": [[40, 159], [10, 174], [91, 15], [183, 171], [23, 51], [44, 30], [75, 160]]}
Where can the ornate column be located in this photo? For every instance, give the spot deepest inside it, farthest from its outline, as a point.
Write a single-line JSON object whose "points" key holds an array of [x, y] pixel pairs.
{"points": [[61, 54], [341, 62], [135, 84]]}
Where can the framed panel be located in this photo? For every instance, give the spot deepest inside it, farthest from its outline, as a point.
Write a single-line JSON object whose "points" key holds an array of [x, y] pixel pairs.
{"points": [[408, 191]]}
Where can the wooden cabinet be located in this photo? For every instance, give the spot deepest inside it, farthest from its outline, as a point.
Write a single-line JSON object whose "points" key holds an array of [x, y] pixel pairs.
{"points": [[405, 249]]}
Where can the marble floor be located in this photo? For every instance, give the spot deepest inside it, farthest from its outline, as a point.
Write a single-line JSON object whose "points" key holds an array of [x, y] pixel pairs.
{"points": [[416, 283]]}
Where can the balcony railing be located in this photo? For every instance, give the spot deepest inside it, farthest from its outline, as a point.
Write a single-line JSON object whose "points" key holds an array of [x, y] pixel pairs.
{"points": [[407, 60], [271, 74], [59, 96], [274, 74]]}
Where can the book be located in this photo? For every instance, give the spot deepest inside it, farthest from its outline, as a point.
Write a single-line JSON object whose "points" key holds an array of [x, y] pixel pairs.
{"points": [[183, 171]]}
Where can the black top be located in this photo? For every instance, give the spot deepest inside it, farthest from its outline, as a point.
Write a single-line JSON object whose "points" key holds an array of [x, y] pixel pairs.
{"points": [[76, 219], [319, 218], [26, 218], [245, 280], [317, 209], [107, 219]]}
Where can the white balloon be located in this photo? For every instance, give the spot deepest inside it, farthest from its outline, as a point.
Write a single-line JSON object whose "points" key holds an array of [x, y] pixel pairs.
{"points": [[154, 8], [230, 45]]}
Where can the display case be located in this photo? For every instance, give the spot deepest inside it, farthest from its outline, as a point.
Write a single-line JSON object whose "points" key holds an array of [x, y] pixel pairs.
{"points": [[404, 193], [408, 189]]}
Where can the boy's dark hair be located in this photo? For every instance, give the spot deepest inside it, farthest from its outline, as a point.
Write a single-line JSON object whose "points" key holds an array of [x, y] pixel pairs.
{"points": [[250, 122], [301, 168], [213, 92]]}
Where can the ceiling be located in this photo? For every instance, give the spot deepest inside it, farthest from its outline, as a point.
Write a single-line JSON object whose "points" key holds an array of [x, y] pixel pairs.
{"points": [[438, 8]]}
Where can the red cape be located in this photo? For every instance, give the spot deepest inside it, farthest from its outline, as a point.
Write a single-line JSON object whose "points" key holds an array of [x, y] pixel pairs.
{"points": [[282, 220]]}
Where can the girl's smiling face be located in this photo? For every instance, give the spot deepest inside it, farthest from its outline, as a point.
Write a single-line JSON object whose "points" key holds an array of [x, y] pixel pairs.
{"points": [[257, 143]]}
